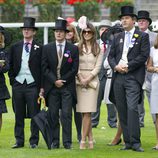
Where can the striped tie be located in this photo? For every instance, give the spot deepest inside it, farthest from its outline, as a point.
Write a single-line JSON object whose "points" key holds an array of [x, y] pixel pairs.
{"points": [[27, 47]]}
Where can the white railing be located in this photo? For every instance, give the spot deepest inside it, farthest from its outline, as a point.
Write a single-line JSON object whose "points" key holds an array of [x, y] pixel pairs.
{"points": [[47, 25], [44, 25]]}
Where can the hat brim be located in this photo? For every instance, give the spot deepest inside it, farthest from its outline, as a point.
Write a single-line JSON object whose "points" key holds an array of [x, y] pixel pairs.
{"points": [[150, 21], [58, 28], [30, 28], [132, 15], [100, 26]]}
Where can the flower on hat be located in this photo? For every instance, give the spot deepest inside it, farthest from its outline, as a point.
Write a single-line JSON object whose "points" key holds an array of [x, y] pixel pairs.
{"points": [[82, 22]]}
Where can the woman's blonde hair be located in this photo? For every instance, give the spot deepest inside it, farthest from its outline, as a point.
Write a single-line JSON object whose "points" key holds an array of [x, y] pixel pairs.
{"points": [[156, 43], [2, 44], [73, 29], [95, 49]]}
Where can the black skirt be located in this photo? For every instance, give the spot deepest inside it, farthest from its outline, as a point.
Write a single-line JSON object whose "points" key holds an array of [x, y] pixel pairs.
{"points": [[3, 107]]}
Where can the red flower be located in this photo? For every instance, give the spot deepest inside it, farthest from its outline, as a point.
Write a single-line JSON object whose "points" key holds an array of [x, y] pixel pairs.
{"points": [[22, 2], [69, 60], [71, 2], [2, 1]]}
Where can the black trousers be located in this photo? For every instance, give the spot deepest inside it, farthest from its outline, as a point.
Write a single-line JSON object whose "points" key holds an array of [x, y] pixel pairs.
{"points": [[127, 93], [25, 104], [61, 98]]}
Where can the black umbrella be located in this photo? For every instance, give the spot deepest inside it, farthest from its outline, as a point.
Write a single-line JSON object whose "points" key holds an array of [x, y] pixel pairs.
{"points": [[43, 121]]}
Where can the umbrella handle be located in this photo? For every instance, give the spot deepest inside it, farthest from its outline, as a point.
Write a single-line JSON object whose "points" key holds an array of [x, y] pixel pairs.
{"points": [[42, 100]]}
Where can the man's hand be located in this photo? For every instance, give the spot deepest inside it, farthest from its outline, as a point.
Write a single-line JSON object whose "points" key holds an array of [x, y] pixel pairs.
{"points": [[121, 69], [41, 93], [59, 83]]}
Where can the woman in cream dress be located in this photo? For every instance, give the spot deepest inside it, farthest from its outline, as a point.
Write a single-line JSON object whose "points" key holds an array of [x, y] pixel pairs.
{"points": [[152, 66], [90, 60]]}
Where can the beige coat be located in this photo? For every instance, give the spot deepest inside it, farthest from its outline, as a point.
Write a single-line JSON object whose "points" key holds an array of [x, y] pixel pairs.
{"points": [[87, 97]]}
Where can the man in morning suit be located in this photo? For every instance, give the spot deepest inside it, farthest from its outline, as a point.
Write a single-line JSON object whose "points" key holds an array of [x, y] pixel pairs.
{"points": [[112, 118], [25, 78], [60, 62], [144, 22], [128, 55]]}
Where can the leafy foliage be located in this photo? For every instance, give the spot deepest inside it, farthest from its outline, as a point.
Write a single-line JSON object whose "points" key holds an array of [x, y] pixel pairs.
{"points": [[90, 9], [115, 6]]}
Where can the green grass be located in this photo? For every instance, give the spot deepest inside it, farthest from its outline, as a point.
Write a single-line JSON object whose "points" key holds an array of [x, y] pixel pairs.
{"points": [[102, 137]]}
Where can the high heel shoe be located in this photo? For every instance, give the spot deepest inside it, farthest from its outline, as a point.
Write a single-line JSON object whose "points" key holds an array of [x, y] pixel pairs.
{"points": [[82, 144], [117, 143], [91, 144]]}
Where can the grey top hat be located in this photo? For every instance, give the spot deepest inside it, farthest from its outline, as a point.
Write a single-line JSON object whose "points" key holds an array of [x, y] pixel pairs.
{"points": [[60, 24], [127, 11], [29, 22], [105, 23], [143, 14]]}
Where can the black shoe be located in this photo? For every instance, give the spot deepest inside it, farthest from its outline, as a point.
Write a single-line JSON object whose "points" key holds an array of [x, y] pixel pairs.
{"points": [[113, 144], [17, 146], [125, 148], [55, 146], [141, 125], [79, 138], [67, 146], [112, 126], [33, 146], [138, 149], [94, 126]]}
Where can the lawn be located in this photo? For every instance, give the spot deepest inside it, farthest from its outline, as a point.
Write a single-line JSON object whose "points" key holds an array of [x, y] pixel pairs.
{"points": [[103, 134]]}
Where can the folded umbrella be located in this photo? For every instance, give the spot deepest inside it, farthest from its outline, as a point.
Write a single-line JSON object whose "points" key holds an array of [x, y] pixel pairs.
{"points": [[43, 121]]}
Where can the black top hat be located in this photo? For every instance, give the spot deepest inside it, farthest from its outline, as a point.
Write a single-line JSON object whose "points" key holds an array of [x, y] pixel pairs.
{"points": [[127, 11], [143, 14], [29, 22], [60, 24], [7, 36]]}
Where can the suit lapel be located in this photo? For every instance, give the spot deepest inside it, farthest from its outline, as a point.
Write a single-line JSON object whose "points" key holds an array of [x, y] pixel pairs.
{"points": [[33, 50], [65, 52], [19, 51], [53, 54], [121, 42], [135, 40]]}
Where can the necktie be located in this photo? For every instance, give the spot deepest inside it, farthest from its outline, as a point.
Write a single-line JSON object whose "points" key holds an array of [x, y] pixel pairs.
{"points": [[27, 47], [60, 50], [127, 39]]}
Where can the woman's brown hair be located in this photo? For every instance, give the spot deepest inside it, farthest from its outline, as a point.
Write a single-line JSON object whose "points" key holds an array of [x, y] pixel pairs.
{"points": [[95, 49], [73, 29]]}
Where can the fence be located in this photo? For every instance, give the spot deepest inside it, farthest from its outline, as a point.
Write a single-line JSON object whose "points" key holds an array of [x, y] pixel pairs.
{"points": [[47, 25]]}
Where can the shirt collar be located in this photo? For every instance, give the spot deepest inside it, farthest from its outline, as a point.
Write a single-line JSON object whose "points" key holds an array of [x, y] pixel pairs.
{"points": [[63, 43], [147, 31], [30, 42], [131, 31]]}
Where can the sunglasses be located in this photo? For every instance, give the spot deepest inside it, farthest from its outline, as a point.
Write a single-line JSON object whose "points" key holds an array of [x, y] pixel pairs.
{"points": [[88, 32]]}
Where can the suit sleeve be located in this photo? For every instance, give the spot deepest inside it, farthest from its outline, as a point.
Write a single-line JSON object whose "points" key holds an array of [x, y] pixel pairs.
{"points": [[143, 54], [11, 72]]}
